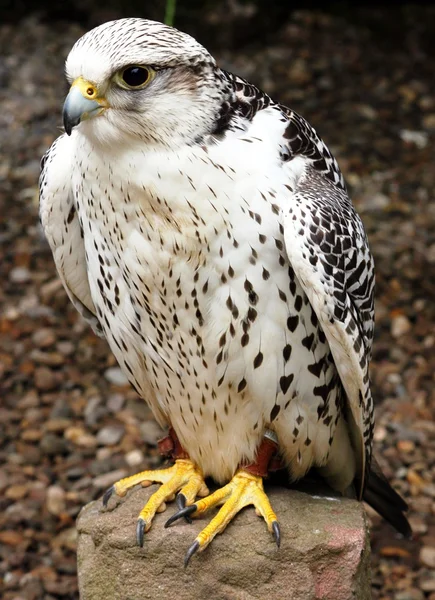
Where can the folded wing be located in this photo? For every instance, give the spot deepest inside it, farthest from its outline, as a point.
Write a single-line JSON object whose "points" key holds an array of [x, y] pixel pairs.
{"points": [[62, 229], [327, 247]]}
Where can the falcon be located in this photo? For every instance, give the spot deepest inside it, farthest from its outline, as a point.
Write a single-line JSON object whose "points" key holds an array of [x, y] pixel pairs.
{"points": [[206, 232]]}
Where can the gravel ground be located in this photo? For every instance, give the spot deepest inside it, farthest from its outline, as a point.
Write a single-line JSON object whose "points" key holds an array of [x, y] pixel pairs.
{"points": [[69, 425]]}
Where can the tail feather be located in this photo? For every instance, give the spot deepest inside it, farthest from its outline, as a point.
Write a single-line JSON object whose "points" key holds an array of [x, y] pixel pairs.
{"points": [[381, 496]]}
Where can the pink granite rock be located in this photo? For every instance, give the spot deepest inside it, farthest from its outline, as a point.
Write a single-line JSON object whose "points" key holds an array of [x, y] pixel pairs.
{"points": [[324, 553]]}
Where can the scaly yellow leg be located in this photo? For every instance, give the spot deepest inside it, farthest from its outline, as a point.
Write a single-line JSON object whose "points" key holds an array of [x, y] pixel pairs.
{"points": [[184, 477], [244, 489]]}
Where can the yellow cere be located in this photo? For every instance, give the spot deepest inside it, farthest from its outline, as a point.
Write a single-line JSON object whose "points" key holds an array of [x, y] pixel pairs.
{"points": [[88, 90]]}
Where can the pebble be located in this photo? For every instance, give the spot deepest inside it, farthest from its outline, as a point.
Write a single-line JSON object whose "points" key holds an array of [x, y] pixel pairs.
{"points": [[29, 400], [44, 572], [33, 416], [110, 435], [80, 437], [380, 434], [409, 594], [19, 275], [395, 551], [429, 490], [104, 453], [406, 446], [66, 348], [429, 122], [31, 587], [418, 525], [31, 435], [10, 537], [10, 580], [16, 492], [404, 432], [428, 585], [116, 376], [427, 556], [55, 500], [66, 565], [66, 539], [373, 202], [61, 410], [57, 425], [75, 473], [45, 379], [50, 359], [94, 411], [67, 587], [418, 138], [399, 326], [53, 445], [44, 337], [415, 479], [115, 402], [108, 479], [134, 458]]}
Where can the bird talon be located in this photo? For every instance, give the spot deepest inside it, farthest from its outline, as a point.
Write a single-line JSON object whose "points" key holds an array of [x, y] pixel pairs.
{"points": [[193, 548], [183, 477], [276, 531], [243, 490], [181, 503], [107, 495], [183, 512], [140, 530]]}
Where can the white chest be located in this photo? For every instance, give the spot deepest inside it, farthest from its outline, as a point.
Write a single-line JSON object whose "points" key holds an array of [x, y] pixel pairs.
{"points": [[189, 247]]}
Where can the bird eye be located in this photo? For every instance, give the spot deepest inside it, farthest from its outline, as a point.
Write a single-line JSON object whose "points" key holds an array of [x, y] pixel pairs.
{"points": [[135, 77]]}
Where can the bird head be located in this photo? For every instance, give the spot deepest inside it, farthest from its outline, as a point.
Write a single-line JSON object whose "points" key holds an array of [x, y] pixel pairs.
{"points": [[135, 78]]}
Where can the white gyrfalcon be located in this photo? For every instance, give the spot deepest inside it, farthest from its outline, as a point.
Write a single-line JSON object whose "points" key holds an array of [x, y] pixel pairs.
{"points": [[205, 230]]}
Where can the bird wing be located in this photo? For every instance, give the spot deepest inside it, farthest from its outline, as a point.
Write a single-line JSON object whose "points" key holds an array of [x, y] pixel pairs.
{"points": [[327, 247], [62, 228]]}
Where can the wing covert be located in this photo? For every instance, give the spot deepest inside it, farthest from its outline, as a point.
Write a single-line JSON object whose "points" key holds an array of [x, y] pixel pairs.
{"points": [[327, 247]]}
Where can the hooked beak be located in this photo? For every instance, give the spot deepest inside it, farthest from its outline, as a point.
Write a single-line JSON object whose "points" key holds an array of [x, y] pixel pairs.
{"points": [[82, 103]]}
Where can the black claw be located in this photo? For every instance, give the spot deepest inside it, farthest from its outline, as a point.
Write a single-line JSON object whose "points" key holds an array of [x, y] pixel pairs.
{"points": [[193, 548], [188, 510], [107, 495], [276, 533], [140, 530], [181, 503]]}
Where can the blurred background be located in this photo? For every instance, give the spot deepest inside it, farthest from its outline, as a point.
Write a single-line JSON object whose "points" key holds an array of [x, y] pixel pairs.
{"points": [[362, 74]]}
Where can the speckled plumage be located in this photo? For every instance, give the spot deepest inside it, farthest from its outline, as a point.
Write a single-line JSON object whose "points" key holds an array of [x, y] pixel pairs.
{"points": [[207, 232]]}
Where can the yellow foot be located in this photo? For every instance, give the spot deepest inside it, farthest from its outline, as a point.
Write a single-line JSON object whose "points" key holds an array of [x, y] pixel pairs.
{"points": [[183, 477], [242, 490]]}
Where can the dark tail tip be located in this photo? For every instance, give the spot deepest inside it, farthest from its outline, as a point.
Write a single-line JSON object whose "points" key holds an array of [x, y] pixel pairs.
{"points": [[381, 496]]}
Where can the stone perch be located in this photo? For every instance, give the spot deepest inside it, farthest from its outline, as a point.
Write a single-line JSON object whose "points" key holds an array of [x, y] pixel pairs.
{"points": [[324, 553]]}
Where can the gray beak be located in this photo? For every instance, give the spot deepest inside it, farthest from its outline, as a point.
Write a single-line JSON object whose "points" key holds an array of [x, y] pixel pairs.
{"points": [[77, 108]]}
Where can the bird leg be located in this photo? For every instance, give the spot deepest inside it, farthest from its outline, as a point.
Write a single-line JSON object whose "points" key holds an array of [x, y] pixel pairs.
{"points": [[245, 488], [183, 477]]}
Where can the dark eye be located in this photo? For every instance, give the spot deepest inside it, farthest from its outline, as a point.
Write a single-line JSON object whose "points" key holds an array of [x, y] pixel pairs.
{"points": [[135, 76]]}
